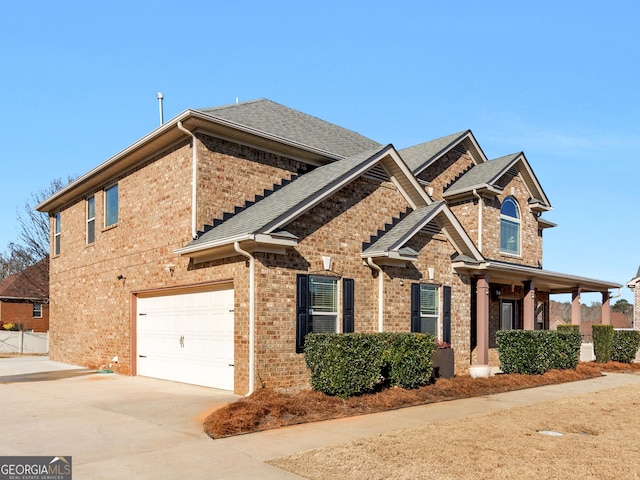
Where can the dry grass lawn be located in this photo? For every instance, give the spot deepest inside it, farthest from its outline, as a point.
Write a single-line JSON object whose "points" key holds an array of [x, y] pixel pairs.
{"points": [[601, 440]]}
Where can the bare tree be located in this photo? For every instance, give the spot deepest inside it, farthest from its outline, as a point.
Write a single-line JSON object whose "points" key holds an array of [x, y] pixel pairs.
{"points": [[32, 245], [12, 261]]}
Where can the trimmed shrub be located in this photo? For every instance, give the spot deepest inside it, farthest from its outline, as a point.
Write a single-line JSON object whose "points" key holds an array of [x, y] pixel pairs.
{"points": [[533, 352], [625, 345], [347, 364], [602, 342], [409, 357], [566, 351], [568, 328], [343, 364]]}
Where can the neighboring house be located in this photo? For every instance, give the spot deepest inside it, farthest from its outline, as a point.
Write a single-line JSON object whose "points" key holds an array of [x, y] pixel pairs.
{"points": [[207, 250], [24, 298], [633, 284]]}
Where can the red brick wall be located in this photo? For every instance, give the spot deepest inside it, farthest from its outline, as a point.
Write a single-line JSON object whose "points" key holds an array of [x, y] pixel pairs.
{"points": [[91, 310], [22, 313]]}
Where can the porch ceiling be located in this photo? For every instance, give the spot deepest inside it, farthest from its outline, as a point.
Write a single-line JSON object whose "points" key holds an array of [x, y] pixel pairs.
{"points": [[544, 280]]}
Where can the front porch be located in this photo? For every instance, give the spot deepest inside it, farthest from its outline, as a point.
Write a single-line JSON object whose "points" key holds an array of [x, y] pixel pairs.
{"points": [[509, 296]]}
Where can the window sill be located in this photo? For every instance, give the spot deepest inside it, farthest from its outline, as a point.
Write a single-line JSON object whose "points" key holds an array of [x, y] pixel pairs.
{"points": [[110, 227], [511, 255]]}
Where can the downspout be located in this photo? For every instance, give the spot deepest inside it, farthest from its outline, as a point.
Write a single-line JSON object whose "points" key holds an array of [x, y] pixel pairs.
{"points": [[475, 194], [378, 268], [252, 316], [194, 154]]}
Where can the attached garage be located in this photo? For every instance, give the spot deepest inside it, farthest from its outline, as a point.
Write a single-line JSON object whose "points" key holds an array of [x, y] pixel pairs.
{"points": [[187, 337]]}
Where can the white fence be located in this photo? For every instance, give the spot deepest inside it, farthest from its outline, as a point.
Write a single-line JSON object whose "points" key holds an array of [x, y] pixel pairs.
{"points": [[24, 342]]}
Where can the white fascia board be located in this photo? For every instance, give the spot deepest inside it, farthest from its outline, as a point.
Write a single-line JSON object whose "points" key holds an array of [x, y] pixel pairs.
{"points": [[260, 238], [412, 179], [525, 163], [468, 243], [208, 245]]}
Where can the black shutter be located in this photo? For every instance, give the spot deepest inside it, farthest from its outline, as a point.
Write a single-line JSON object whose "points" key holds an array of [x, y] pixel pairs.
{"points": [[415, 307], [347, 305], [446, 314], [302, 311]]}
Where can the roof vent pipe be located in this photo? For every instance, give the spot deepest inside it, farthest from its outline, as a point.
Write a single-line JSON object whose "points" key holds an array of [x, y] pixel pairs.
{"points": [[160, 97]]}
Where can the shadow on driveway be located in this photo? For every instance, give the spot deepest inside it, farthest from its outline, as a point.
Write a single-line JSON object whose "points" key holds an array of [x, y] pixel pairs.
{"points": [[45, 376]]}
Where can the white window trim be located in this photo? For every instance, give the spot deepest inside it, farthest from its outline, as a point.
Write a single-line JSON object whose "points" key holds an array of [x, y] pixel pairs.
{"points": [[517, 221], [56, 233], [91, 219], [34, 310], [437, 316], [337, 313], [106, 205]]}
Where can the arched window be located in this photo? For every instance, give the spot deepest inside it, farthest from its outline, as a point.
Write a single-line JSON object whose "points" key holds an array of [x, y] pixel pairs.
{"points": [[510, 227]]}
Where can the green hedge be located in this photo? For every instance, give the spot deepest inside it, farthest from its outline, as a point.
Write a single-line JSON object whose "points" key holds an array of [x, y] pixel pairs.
{"points": [[568, 328], [602, 342], [355, 363], [408, 357], [343, 365], [625, 345], [536, 351]]}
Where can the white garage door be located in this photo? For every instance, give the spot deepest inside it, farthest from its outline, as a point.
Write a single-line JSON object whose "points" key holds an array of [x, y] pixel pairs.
{"points": [[187, 338]]}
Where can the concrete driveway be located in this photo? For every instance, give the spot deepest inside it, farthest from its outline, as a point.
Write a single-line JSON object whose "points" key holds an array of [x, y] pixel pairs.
{"points": [[116, 426]]}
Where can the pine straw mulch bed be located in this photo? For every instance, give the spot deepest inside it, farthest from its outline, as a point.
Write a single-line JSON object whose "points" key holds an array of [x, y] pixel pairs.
{"points": [[267, 409]]}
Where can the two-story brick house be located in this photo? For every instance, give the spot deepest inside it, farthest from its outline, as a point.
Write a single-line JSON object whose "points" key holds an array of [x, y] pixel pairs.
{"points": [[207, 250]]}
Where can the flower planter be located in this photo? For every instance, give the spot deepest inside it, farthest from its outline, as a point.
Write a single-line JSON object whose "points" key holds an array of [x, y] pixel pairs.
{"points": [[479, 371], [443, 366]]}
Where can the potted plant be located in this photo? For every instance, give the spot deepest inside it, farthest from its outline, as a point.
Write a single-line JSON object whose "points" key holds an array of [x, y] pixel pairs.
{"points": [[443, 365]]}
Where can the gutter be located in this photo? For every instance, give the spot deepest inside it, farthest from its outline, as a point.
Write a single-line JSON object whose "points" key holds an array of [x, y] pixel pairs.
{"points": [[376, 267], [194, 175], [252, 315]]}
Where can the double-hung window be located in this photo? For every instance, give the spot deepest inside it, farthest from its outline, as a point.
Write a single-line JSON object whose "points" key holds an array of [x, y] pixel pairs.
{"points": [[91, 220], [56, 234], [510, 227], [111, 205], [37, 310], [425, 307], [317, 306]]}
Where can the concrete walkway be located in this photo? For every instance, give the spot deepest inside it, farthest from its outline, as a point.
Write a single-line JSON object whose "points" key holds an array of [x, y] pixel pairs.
{"points": [[117, 427]]}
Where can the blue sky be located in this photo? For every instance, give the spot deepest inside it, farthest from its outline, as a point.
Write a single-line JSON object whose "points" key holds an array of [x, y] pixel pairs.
{"points": [[555, 79]]}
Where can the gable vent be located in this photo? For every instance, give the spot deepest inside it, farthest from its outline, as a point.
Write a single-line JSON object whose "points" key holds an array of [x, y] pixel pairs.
{"points": [[461, 149], [431, 228], [377, 173]]}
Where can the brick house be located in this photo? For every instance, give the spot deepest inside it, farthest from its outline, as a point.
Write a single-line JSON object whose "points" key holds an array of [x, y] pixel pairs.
{"points": [[24, 298], [208, 249]]}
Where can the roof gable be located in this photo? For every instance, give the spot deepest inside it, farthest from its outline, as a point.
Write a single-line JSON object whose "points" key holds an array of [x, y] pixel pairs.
{"points": [[421, 156], [487, 176], [393, 243], [263, 222]]}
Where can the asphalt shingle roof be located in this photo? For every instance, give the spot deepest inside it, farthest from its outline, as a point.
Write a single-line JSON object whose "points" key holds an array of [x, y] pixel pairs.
{"points": [[283, 122], [421, 154], [32, 282], [259, 216], [401, 231], [483, 174]]}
